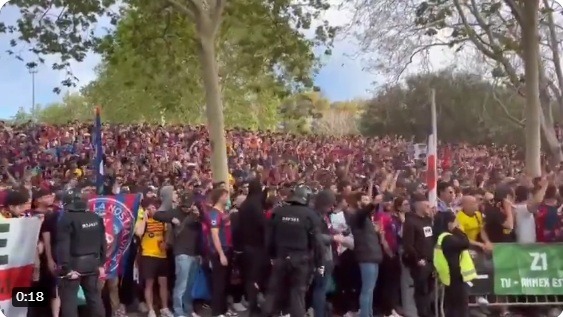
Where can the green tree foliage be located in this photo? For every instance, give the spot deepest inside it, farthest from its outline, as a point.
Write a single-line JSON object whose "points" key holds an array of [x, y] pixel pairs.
{"points": [[469, 109], [147, 69], [341, 118], [298, 111], [21, 116], [264, 35], [312, 112], [74, 107]]}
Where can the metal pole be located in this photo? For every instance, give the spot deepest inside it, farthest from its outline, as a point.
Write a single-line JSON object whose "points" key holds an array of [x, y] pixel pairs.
{"points": [[432, 154], [33, 71]]}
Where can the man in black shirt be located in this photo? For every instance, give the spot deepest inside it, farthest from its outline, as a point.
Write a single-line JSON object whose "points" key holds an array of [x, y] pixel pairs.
{"points": [[418, 242], [252, 230], [499, 218], [42, 205]]}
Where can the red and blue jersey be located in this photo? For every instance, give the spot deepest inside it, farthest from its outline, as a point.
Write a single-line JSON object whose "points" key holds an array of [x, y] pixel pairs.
{"points": [[549, 224], [215, 219], [389, 228]]}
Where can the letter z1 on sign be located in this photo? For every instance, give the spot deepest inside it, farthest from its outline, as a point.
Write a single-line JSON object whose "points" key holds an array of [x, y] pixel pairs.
{"points": [[3, 3]]}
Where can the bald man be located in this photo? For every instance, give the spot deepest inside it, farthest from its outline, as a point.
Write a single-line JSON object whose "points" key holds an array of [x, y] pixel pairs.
{"points": [[471, 223]]}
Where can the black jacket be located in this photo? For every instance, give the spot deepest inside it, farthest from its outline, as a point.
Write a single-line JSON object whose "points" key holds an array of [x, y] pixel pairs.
{"points": [[418, 240], [295, 230], [188, 240], [235, 231], [325, 237], [251, 218], [81, 242], [452, 246], [367, 246]]}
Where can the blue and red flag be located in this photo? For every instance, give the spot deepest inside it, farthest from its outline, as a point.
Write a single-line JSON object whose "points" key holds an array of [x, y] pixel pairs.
{"points": [[119, 213]]}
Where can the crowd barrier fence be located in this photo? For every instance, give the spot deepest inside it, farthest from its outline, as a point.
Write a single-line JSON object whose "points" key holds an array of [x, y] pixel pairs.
{"points": [[515, 275]]}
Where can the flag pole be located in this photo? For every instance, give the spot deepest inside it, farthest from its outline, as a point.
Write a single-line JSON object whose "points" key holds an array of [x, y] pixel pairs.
{"points": [[99, 152], [433, 114], [432, 154]]}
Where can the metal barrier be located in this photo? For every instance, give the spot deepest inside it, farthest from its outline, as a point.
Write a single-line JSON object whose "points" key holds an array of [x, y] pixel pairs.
{"points": [[482, 288], [495, 301], [521, 300]]}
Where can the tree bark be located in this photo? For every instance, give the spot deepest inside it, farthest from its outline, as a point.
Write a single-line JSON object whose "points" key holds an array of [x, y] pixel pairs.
{"points": [[214, 110], [546, 122], [530, 48]]}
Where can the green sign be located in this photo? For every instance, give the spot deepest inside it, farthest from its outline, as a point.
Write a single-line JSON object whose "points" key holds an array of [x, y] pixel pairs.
{"points": [[528, 269]]}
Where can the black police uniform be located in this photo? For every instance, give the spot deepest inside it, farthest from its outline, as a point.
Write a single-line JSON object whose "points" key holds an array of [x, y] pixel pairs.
{"points": [[81, 247], [292, 238]]}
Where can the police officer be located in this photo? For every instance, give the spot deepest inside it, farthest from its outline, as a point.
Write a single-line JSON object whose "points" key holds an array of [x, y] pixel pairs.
{"points": [[293, 237], [455, 268], [81, 251]]}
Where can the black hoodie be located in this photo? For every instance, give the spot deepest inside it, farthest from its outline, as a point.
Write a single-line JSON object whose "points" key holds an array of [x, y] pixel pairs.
{"points": [[367, 247], [252, 220], [188, 240]]}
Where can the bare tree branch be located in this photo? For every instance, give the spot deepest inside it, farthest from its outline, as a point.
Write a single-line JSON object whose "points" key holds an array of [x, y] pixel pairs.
{"points": [[475, 10], [507, 113], [218, 13], [184, 9], [516, 11], [423, 49], [475, 38], [554, 46], [197, 6]]}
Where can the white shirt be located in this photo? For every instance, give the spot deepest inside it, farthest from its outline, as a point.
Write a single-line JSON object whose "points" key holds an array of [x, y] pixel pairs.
{"points": [[525, 224], [338, 222]]}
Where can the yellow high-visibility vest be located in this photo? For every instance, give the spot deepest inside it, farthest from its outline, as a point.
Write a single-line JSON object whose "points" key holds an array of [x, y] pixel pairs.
{"points": [[468, 272]]}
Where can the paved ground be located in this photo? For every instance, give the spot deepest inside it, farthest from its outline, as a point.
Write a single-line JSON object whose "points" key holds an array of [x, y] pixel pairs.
{"points": [[206, 314], [203, 313], [473, 313]]}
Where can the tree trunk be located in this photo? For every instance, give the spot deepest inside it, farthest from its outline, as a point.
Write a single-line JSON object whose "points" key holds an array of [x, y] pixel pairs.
{"points": [[530, 47], [214, 111], [547, 125]]}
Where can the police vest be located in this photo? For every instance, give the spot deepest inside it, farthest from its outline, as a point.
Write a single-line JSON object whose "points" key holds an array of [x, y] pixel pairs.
{"points": [[466, 265]]}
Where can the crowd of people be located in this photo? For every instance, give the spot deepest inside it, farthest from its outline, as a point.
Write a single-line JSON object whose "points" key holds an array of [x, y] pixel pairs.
{"points": [[370, 196]]}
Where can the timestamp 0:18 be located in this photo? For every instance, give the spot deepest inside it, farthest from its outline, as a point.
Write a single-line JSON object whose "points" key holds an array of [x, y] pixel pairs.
{"points": [[29, 297]]}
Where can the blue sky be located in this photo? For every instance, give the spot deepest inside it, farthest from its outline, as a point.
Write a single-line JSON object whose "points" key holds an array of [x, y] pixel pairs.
{"points": [[341, 77]]}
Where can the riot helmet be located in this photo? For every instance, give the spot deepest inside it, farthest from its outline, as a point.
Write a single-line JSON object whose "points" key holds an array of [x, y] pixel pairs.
{"points": [[301, 195], [73, 200]]}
